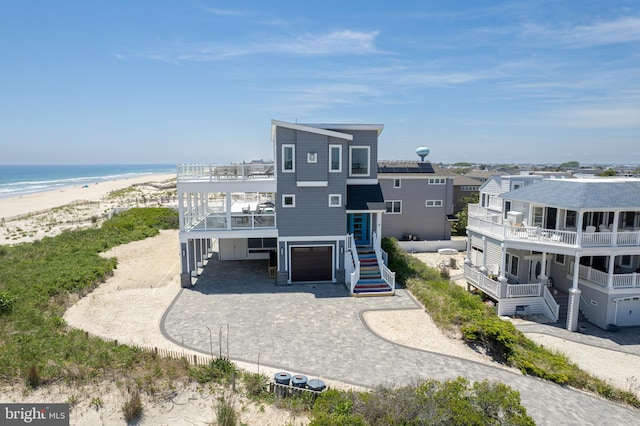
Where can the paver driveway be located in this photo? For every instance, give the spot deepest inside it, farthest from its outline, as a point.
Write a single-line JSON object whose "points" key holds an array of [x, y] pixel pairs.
{"points": [[317, 330]]}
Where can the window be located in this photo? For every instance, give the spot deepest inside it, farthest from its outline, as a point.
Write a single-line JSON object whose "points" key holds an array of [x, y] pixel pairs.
{"points": [[393, 207], [359, 161], [517, 185], [288, 158], [335, 200], [507, 208], [396, 183], [434, 203], [538, 213], [335, 158], [512, 264], [560, 259], [288, 200], [468, 188], [625, 260], [570, 221], [437, 181], [312, 157]]}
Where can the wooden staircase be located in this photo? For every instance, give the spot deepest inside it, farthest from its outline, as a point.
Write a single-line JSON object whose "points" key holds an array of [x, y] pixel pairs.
{"points": [[370, 281]]}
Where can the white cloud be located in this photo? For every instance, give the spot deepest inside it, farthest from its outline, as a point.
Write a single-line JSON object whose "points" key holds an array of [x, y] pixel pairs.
{"points": [[622, 30], [603, 118]]}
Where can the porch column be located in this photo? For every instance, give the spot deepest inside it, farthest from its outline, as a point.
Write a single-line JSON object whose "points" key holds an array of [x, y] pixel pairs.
{"points": [[198, 244], [579, 228], [181, 212], [543, 273], [185, 276], [573, 305], [228, 209], [614, 228], [502, 279], [573, 309], [611, 270], [484, 253], [191, 257]]}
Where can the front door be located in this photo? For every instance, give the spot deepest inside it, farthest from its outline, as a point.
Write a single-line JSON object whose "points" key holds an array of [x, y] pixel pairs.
{"points": [[359, 226]]}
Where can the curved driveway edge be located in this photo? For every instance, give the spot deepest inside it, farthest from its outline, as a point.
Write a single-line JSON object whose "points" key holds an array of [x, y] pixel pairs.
{"points": [[316, 329]]}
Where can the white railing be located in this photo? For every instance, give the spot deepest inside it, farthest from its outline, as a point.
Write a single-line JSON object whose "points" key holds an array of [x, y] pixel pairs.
{"points": [[587, 273], [387, 275], [551, 303], [355, 275], [222, 172], [523, 290], [482, 282], [220, 221], [491, 225]]}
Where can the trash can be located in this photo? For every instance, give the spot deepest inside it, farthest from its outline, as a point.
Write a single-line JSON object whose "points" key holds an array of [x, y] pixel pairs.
{"points": [[299, 381], [316, 385], [282, 378]]}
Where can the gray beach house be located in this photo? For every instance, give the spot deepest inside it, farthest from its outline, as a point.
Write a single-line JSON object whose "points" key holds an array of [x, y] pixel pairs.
{"points": [[315, 213]]}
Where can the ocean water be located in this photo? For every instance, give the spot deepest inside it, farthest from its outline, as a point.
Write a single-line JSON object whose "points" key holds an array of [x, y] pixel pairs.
{"points": [[16, 180]]}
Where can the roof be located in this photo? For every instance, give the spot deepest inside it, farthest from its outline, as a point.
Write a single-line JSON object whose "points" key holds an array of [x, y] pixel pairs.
{"points": [[347, 127], [365, 197], [580, 194], [405, 167], [460, 180], [307, 128]]}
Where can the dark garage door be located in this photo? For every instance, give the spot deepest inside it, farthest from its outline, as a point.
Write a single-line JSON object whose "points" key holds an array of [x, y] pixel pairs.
{"points": [[311, 263]]}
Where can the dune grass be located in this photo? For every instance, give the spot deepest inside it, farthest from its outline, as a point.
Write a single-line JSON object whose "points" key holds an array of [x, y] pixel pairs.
{"points": [[451, 306]]}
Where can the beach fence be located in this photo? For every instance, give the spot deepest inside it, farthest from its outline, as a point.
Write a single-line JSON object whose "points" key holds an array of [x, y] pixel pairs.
{"points": [[283, 384], [39, 212]]}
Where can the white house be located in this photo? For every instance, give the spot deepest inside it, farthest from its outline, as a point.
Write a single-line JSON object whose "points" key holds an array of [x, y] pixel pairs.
{"points": [[543, 245]]}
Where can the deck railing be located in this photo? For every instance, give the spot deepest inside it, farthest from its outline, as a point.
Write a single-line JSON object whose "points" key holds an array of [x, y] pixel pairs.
{"points": [[355, 275], [224, 222], [523, 290], [224, 172], [601, 278], [551, 303], [481, 281], [494, 225]]}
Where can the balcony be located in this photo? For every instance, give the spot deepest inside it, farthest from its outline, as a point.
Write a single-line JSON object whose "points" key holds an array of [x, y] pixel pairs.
{"points": [[491, 223], [225, 172], [606, 280]]}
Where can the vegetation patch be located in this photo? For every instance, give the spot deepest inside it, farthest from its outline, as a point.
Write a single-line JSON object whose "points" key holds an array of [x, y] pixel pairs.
{"points": [[450, 306]]}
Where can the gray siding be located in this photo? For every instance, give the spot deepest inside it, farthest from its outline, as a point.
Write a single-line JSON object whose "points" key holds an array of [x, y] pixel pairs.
{"points": [[311, 215], [429, 223]]}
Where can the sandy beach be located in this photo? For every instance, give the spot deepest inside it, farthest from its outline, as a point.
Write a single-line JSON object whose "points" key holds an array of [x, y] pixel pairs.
{"points": [[147, 280]]}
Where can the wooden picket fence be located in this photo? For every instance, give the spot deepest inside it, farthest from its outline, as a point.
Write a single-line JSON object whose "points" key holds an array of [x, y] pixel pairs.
{"points": [[193, 359]]}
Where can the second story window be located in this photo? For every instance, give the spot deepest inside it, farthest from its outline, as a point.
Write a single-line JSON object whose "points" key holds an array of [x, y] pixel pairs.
{"points": [[359, 160], [335, 158], [396, 183], [288, 158], [437, 181], [434, 203]]}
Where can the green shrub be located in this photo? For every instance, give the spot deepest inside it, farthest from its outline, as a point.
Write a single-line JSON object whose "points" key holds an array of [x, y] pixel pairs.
{"points": [[217, 370], [6, 302], [132, 408], [431, 402]]}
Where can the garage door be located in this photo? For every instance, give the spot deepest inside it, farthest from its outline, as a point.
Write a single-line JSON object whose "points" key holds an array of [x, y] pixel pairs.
{"points": [[628, 312], [312, 263]]}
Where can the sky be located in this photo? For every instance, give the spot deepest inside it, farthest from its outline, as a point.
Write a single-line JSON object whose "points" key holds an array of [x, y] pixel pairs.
{"points": [[193, 81]]}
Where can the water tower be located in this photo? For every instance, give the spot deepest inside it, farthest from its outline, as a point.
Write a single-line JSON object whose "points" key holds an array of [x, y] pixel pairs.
{"points": [[422, 151]]}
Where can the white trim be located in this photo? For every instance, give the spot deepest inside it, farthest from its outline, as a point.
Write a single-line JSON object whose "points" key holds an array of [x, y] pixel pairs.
{"points": [[437, 181], [307, 128], [399, 183], [339, 169], [312, 157], [333, 259], [393, 203], [293, 198], [351, 149], [341, 126], [312, 238], [339, 203], [362, 181], [293, 157], [311, 183], [436, 203]]}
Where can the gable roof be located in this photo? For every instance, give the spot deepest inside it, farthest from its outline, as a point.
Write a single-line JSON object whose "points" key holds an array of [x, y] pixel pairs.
{"points": [[580, 194]]}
